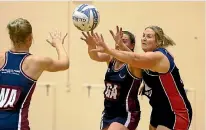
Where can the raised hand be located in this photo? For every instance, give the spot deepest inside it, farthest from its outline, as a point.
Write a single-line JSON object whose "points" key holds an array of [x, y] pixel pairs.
{"points": [[88, 38], [56, 38], [118, 36], [101, 46]]}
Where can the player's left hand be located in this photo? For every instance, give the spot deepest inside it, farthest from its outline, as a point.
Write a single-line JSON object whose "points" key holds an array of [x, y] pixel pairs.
{"points": [[101, 46], [118, 36]]}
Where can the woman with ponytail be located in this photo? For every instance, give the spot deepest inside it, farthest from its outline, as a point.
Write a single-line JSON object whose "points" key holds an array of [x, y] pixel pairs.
{"points": [[171, 109]]}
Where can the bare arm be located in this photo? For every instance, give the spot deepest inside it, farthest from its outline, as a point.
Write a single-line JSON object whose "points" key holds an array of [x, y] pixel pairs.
{"points": [[100, 57], [62, 63], [118, 39], [123, 47], [119, 42], [97, 56], [147, 60], [155, 61]]}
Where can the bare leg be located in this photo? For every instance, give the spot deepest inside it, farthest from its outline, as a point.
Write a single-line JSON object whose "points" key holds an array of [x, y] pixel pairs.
{"points": [[151, 127], [117, 126], [161, 127]]}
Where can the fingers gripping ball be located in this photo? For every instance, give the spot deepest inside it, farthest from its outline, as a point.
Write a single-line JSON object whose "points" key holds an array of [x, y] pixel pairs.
{"points": [[86, 17]]}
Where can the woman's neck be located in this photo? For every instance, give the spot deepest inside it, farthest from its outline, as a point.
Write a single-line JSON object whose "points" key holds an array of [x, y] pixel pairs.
{"points": [[19, 49], [119, 62]]}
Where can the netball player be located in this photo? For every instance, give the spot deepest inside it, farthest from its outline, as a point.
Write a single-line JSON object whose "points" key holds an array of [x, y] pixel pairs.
{"points": [[19, 72], [121, 106]]}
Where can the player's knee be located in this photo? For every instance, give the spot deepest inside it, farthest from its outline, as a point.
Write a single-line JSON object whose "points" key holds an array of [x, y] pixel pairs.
{"points": [[161, 127], [117, 126], [113, 125], [151, 127]]}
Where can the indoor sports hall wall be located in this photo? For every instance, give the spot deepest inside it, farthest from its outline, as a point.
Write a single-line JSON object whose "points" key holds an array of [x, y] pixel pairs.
{"points": [[61, 100]]}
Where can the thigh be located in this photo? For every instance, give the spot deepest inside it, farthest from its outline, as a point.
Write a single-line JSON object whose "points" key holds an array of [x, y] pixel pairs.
{"points": [[151, 127], [117, 126], [110, 123], [160, 127], [106, 128]]}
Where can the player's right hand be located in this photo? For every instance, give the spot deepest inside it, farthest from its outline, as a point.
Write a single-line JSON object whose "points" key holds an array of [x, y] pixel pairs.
{"points": [[56, 38]]}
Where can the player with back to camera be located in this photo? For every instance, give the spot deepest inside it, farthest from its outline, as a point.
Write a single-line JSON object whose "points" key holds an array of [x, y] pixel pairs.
{"points": [[171, 109], [122, 81], [19, 72]]}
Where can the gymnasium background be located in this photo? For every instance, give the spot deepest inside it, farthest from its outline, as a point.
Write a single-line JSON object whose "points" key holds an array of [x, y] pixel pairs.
{"points": [[62, 101]]}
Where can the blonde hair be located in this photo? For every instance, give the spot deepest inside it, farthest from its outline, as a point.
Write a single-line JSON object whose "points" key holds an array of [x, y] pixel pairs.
{"points": [[162, 39], [19, 30]]}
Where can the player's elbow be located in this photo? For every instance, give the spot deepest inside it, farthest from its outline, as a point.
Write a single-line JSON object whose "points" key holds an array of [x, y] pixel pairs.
{"points": [[95, 58], [66, 66], [92, 57], [63, 66]]}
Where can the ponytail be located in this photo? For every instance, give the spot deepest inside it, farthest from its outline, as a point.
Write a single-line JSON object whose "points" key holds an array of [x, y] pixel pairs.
{"points": [[167, 41]]}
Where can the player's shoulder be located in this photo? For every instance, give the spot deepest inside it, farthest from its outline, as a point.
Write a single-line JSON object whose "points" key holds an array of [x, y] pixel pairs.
{"points": [[2, 54], [2, 57], [164, 51], [39, 59]]}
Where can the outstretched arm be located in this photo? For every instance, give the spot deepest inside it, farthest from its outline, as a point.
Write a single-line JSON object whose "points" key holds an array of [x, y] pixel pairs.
{"points": [[155, 61], [62, 63], [146, 61], [97, 56]]}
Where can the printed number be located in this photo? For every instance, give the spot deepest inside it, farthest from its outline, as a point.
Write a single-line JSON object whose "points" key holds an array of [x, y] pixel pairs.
{"points": [[111, 91]]}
